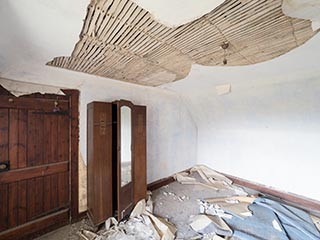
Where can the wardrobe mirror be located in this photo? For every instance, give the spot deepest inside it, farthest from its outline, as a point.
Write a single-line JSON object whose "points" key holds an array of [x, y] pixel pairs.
{"points": [[126, 138]]}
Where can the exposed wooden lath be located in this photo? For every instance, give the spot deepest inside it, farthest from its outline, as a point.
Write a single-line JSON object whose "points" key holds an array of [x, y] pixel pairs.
{"points": [[120, 40]]}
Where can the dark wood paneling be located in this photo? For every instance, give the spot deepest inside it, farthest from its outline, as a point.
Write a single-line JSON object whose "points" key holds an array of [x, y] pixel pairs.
{"points": [[51, 144], [36, 227], [13, 138], [4, 133], [39, 196], [47, 194], [74, 151], [36, 141], [13, 205], [63, 138], [22, 138], [38, 104], [4, 207], [22, 202], [33, 172], [139, 153], [35, 150], [99, 149]]}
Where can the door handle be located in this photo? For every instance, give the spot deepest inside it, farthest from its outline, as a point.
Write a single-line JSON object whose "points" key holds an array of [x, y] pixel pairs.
{"points": [[4, 166]]}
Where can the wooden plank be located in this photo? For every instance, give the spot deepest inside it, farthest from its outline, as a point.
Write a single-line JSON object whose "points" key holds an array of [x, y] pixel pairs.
{"points": [[12, 205], [31, 199], [51, 140], [4, 207], [39, 196], [74, 154], [33, 172], [32, 103], [4, 134], [35, 148], [63, 183], [22, 138], [54, 192], [63, 138], [139, 153], [13, 138], [22, 202], [36, 227], [47, 194]]}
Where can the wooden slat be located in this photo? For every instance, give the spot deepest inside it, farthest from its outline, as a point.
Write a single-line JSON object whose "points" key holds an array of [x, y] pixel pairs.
{"points": [[74, 152], [22, 138], [35, 140], [117, 34], [12, 205], [31, 199], [41, 225], [32, 103], [39, 196], [47, 194], [22, 202], [140, 153], [4, 207], [4, 134], [33, 172], [13, 138], [63, 138], [54, 192]]}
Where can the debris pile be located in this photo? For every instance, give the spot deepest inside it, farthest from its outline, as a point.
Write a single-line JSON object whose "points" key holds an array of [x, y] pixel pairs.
{"points": [[141, 225], [204, 176]]}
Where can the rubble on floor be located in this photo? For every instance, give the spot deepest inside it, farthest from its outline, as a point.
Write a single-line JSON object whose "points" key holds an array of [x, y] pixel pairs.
{"points": [[204, 204], [141, 225]]}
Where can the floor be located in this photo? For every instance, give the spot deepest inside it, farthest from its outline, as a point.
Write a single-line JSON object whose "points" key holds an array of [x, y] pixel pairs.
{"points": [[179, 203]]}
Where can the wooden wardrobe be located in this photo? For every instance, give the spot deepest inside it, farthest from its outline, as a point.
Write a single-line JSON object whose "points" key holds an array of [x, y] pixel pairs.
{"points": [[116, 156]]}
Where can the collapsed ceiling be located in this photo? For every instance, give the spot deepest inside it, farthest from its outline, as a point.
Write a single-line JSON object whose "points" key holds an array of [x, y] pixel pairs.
{"points": [[122, 41]]}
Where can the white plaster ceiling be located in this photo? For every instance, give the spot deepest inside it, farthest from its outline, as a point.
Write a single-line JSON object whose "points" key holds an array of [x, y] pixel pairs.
{"points": [[35, 31]]}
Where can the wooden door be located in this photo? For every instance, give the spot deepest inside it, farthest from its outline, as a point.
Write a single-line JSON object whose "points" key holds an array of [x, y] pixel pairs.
{"points": [[35, 164], [99, 158], [140, 153]]}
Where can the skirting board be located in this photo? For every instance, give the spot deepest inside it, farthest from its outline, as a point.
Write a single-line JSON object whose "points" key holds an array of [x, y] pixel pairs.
{"points": [[295, 200]]}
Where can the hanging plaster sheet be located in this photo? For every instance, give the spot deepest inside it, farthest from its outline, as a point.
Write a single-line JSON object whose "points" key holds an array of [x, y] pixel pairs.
{"points": [[303, 9]]}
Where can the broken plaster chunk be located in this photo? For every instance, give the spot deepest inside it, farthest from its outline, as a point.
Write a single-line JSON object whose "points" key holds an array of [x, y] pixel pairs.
{"points": [[316, 221], [276, 225], [204, 224]]}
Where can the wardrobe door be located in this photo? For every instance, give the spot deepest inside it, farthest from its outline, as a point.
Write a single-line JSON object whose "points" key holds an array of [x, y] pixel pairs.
{"points": [[139, 153], [99, 159]]}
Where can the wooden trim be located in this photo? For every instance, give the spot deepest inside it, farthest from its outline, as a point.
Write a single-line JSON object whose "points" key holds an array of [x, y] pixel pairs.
{"points": [[160, 183], [43, 104], [74, 152], [291, 198], [32, 172], [82, 215], [36, 227], [288, 198]]}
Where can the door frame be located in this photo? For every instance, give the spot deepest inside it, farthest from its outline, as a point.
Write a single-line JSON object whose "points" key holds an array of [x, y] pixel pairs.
{"points": [[26, 231]]}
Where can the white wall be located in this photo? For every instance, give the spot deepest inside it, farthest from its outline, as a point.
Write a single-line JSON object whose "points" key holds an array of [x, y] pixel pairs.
{"points": [[267, 130], [171, 132]]}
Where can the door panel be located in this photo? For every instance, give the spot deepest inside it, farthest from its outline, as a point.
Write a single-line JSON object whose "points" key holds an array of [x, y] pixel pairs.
{"points": [[35, 141]]}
